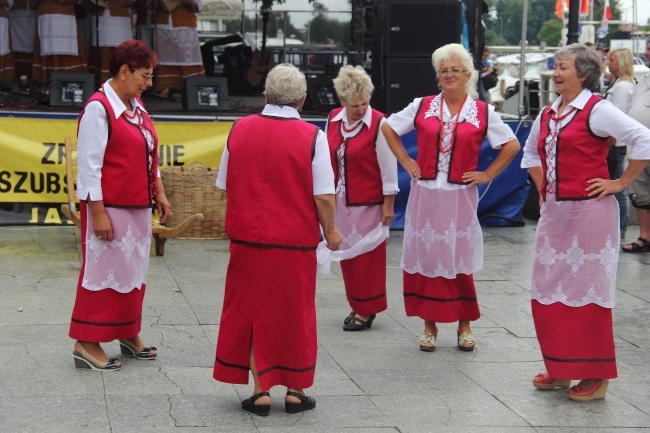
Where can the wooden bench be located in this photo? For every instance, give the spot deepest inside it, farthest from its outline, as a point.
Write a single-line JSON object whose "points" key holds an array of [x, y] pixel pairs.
{"points": [[160, 232]]}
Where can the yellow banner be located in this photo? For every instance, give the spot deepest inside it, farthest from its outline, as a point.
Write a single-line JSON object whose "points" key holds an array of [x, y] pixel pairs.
{"points": [[32, 165]]}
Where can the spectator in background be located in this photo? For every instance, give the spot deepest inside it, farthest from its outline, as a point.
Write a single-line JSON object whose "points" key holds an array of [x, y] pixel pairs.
{"points": [[6, 60], [620, 63], [114, 27], [640, 188], [177, 44], [22, 22], [489, 78], [59, 46]]}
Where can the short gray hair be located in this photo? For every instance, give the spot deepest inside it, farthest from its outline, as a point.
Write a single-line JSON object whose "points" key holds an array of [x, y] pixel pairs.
{"points": [[285, 85], [587, 63], [458, 52], [352, 82]]}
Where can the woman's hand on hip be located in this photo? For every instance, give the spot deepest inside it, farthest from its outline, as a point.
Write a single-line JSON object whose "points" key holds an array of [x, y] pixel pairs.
{"points": [[603, 187], [471, 178]]}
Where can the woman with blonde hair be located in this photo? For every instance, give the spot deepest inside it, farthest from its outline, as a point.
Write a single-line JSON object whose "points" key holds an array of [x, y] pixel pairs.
{"points": [[366, 183], [619, 92], [443, 243]]}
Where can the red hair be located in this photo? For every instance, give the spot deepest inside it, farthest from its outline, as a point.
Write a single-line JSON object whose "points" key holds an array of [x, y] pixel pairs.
{"points": [[133, 53]]}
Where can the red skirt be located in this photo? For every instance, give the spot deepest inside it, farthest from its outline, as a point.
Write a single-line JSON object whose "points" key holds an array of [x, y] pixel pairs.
{"points": [[365, 281], [172, 77], [269, 304], [576, 342], [104, 315], [441, 299]]}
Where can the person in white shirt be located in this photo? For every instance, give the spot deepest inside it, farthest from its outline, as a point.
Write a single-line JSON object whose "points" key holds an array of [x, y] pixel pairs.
{"points": [[621, 65]]}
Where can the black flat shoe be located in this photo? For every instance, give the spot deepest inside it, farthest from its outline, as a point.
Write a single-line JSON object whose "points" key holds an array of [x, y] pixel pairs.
{"points": [[127, 348], [359, 324], [306, 403], [258, 409], [349, 318]]}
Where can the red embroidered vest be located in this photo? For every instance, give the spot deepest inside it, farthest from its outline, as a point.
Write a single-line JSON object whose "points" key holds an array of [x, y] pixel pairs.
{"points": [[580, 155], [363, 183], [465, 149], [127, 180], [270, 184]]}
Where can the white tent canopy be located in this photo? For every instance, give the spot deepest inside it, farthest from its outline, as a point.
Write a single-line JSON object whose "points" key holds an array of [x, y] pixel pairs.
{"points": [[221, 9]]}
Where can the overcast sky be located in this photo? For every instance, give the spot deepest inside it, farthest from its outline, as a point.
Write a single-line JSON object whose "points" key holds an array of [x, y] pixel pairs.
{"points": [[299, 19]]}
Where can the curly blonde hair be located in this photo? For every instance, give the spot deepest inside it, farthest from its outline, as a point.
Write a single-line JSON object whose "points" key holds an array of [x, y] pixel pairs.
{"points": [[352, 82], [458, 52]]}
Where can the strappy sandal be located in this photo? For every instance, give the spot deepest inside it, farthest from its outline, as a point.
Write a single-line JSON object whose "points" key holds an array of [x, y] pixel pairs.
{"points": [[428, 342], [129, 349], [84, 360], [258, 409], [306, 403], [466, 341], [636, 248]]}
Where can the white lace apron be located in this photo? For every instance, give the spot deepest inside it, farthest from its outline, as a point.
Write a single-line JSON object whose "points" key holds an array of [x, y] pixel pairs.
{"points": [[360, 226], [177, 46], [442, 235], [576, 244], [58, 35], [112, 30], [23, 29], [121, 264]]}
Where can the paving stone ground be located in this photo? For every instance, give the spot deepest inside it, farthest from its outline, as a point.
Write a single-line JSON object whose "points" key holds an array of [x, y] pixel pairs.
{"points": [[376, 381]]}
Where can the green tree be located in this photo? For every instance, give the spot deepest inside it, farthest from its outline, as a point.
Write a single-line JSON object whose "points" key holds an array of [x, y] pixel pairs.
{"points": [[491, 38], [551, 32]]}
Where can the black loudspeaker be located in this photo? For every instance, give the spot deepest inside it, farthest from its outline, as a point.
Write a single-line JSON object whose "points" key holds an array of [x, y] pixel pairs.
{"points": [[205, 94], [321, 95], [70, 90], [406, 79], [415, 28]]}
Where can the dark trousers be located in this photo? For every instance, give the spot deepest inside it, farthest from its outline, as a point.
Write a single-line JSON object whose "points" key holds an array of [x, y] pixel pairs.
{"points": [[615, 161]]}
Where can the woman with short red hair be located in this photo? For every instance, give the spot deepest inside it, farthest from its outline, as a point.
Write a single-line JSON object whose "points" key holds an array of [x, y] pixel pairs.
{"points": [[117, 184]]}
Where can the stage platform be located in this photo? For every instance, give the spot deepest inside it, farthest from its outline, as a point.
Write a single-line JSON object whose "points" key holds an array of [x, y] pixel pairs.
{"points": [[239, 105]]}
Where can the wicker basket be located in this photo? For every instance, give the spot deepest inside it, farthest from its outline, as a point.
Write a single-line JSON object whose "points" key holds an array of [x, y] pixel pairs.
{"points": [[190, 189]]}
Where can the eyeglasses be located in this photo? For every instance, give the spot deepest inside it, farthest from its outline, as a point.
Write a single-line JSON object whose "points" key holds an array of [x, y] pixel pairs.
{"points": [[146, 76], [454, 71]]}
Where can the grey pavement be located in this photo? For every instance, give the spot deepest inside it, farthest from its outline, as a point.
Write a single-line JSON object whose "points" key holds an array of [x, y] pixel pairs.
{"points": [[376, 381]]}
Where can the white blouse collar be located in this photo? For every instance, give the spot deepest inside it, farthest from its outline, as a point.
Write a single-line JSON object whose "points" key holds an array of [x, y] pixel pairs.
{"points": [[468, 113]]}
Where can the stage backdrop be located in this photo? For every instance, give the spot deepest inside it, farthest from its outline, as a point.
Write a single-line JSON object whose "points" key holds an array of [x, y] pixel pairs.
{"points": [[32, 167]]}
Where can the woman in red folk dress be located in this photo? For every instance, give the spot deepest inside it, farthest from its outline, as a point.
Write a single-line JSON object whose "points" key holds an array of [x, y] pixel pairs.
{"points": [[443, 243], [117, 183], [577, 239], [277, 172], [366, 183]]}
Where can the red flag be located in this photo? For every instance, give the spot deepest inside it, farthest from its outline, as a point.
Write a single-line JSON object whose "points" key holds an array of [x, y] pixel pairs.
{"points": [[607, 15], [560, 7], [584, 7]]}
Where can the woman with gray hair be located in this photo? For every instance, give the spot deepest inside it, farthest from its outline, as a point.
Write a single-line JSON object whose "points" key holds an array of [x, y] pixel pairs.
{"points": [[366, 183], [576, 243], [443, 244], [276, 170]]}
